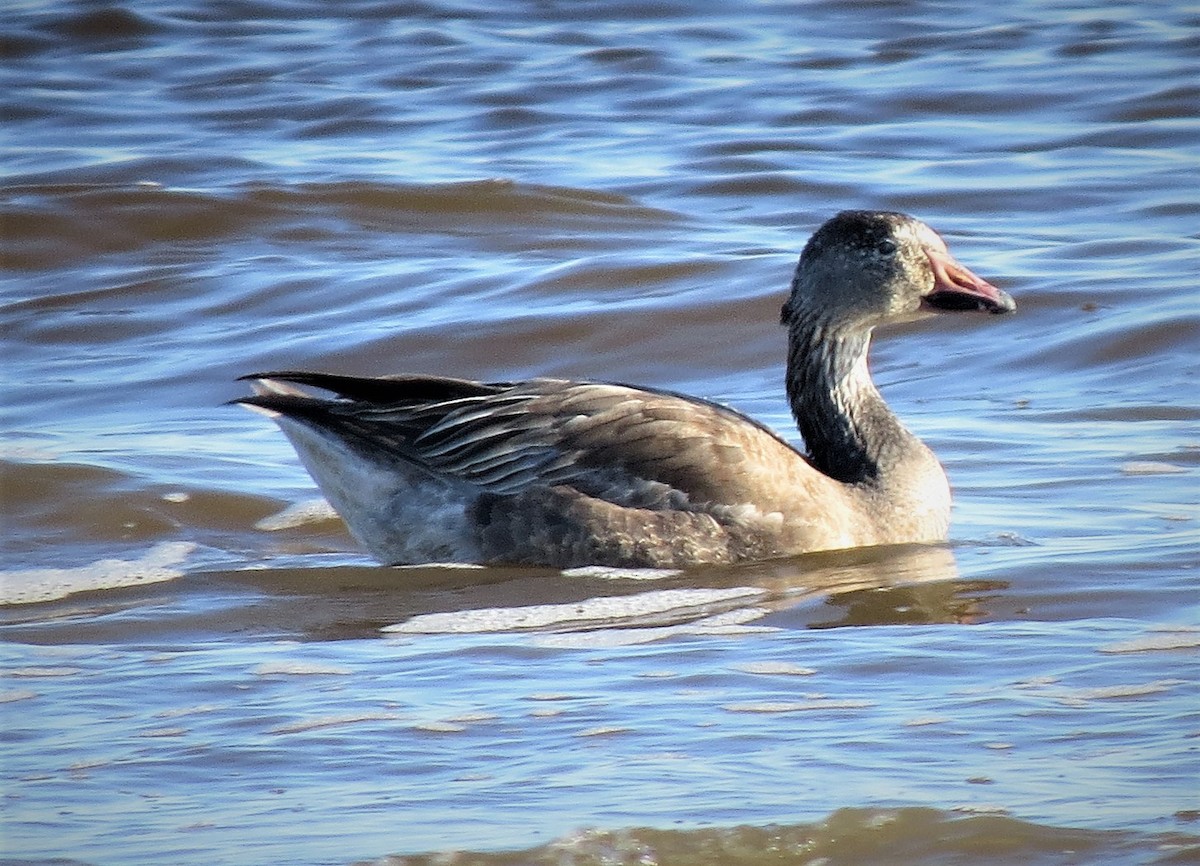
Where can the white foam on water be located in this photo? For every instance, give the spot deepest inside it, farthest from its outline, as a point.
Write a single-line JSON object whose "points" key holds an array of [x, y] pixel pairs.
{"points": [[1167, 639], [774, 668], [816, 703], [29, 586], [298, 514], [1080, 697], [1151, 467], [286, 668], [13, 695], [332, 721]]}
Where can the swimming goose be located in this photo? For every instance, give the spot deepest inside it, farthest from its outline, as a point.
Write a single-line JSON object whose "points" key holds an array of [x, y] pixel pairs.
{"points": [[562, 473]]}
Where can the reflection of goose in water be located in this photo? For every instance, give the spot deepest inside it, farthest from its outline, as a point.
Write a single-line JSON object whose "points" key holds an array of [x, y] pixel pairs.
{"points": [[562, 474], [868, 587], [589, 606]]}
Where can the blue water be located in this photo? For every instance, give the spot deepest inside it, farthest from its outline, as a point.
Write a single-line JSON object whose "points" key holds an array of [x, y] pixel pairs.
{"points": [[198, 661]]}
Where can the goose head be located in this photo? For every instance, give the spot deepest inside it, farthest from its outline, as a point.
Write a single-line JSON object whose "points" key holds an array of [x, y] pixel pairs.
{"points": [[866, 268]]}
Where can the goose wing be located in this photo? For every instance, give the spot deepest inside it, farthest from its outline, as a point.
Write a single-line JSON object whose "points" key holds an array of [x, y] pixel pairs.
{"points": [[630, 446]]}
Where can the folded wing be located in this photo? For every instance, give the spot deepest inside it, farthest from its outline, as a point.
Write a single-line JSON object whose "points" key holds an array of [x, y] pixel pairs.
{"points": [[629, 446]]}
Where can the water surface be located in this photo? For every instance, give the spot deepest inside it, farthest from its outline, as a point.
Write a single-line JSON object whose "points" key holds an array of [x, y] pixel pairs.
{"points": [[202, 667]]}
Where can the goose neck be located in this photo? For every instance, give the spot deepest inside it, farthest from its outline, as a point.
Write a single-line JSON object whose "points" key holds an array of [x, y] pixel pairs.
{"points": [[850, 433]]}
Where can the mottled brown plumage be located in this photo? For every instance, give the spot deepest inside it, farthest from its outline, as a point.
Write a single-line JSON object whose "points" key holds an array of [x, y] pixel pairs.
{"points": [[561, 473]]}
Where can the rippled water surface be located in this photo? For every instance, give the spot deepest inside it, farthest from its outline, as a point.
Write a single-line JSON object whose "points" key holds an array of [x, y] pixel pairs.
{"points": [[201, 667]]}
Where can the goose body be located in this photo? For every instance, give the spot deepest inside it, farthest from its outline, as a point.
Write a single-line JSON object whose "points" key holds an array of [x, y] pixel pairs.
{"points": [[566, 473]]}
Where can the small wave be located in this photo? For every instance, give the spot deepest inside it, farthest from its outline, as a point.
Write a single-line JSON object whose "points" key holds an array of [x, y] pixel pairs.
{"points": [[981, 833], [1150, 467], [1165, 640], [111, 23], [75, 214], [13, 695], [333, 721], [1123, 691], [818, 703], [776, 668], [34, 585], [286, 668]]}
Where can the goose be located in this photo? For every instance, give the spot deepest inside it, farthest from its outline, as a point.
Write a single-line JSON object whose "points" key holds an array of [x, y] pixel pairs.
{"points": [[562, 474]]}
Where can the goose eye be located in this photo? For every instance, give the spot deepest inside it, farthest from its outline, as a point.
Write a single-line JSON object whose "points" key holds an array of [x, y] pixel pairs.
{"points": [[885, 248]]}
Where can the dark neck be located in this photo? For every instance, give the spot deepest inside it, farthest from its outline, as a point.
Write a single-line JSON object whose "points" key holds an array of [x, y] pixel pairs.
{"points": [[851, 434]]}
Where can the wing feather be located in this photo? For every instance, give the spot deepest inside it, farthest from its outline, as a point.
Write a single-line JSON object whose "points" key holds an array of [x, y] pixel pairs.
{"points": [[626, 445]]}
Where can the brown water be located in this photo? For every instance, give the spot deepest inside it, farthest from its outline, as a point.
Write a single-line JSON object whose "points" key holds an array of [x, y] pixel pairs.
{"points": [[202, 668]]}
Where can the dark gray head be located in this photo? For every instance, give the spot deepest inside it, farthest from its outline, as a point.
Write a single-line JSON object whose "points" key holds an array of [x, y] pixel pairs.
{"points": [[864, 268]]}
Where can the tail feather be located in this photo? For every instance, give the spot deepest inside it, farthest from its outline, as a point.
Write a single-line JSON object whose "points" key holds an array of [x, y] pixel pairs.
{"points": [[384, 390]]}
